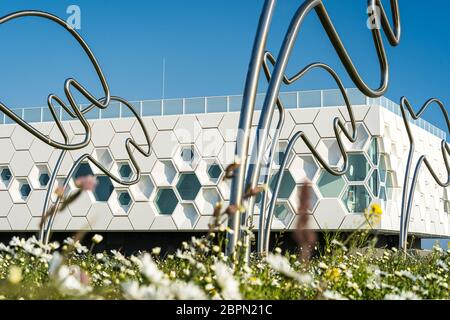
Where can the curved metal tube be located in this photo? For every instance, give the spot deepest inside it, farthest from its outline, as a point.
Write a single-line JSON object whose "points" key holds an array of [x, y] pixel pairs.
{"points": [[129, 143], [408, 191], [77, 113], [278, 76]]}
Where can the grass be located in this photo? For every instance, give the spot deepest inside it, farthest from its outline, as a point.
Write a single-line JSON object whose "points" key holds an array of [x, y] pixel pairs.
{"points": [[200, 270]]}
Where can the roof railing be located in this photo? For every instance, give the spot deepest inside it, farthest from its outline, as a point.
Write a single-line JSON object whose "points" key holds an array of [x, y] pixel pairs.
{"points": [[231, 103]]}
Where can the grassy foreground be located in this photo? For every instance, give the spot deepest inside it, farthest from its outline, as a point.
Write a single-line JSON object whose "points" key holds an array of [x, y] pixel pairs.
{"points": [[199, 270]]}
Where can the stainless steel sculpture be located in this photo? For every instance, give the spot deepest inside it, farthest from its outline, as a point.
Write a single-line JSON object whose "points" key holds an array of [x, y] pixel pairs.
{"points": [[76, 113], [409, 190], [248, 173]]}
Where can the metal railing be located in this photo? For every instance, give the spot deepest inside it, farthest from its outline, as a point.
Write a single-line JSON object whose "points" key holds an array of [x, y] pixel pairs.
{"points": [[232, 103]]}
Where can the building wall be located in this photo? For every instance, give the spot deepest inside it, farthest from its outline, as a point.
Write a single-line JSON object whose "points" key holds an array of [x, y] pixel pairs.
{"points": [[192, 151]]}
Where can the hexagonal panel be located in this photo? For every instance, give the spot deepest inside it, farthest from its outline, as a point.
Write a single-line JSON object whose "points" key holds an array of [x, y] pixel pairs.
{"points": [[6, 202], [165, 144], [138, 134], [287, 185], [324, 121], [206, 200], [283, 215], [188, 186], [362, 136], [383, 167], [187, 129], [142, 190], [20, 190], [99, 216], [21, 138], [330, 186], [356, 198], [19, 216], [313, 194], [310, 132], [209, 142], [7, 150], [120, 202], [330, 213], [303, 168], [141, 215], [164, 173], [186, 158], [40, 151], [103, 156], [21, 163], [40, 176], [35, 202], [104, 189], [5, 177], [358, 167], [330, 152], [185, 216], [118, 146], [228, 126], [102, 133], [80, 207], [166, 201]]}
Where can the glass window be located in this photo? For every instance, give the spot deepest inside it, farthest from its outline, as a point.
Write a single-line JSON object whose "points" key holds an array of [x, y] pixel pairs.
{"points": [[373, 151], [286, 187], [103, 189], [358, 167], [166, 201], [383, 168], [356, 199], [44, 178], [25, 190], [125, 170], [374, 182], [214, 171], [329, 185], [83, 170], [124, 199], [6, 176], [188, 186]]}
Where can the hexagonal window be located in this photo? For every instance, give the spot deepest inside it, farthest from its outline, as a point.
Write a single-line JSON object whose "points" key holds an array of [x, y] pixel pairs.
{"points": [[185, 216], [207, 199], [302, 168], [186, 158], [166, 201], [125, 171], [84, 170], [164, 173], [103, 189], [142, 190], [373, 151], [24, 190], [124, 200], [361, 138], [294, 199], [39, 176], [103, 156], [374, 182], [383, 193], [44, 178], [383, 167], [214, 171], [5, 177], [283, 213], [330, 186], [188, 186], [390, 185], [358, 167], [356, 199], [286, 187], [280, 152]]}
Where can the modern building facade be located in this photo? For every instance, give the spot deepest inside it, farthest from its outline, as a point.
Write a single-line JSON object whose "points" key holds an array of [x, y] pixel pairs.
{"points": [[193, 141]]}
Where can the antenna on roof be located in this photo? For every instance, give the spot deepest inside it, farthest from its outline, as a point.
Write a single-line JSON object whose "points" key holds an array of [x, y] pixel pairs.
{"points": [[163, 77]]}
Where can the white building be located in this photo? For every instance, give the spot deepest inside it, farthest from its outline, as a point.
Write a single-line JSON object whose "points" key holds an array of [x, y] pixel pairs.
{"points": [[194, 141]]}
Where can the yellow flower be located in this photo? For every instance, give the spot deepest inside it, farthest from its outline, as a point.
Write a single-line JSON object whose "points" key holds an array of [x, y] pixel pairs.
{"points": [[374, 215], [15, 275], [333, 274]]}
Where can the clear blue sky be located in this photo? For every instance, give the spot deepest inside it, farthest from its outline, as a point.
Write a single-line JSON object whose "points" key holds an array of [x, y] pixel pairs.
{"points": [[207, 45]]}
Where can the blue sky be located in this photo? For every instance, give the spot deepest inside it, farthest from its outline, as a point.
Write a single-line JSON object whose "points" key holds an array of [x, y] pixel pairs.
{"points": [[207, 45]]}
